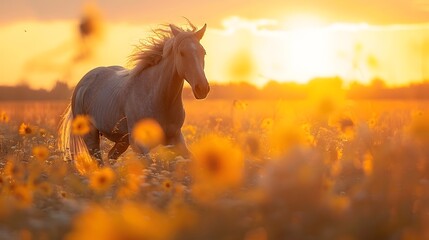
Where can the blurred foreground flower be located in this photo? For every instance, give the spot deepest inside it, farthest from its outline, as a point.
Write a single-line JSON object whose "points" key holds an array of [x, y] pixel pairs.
{"points": [[218, 166], [81, 125], [256, 234], [287, 134], [23, 196], [148, 133], [129, 221], [101, 180], [295, 179], [25, 129], [41, 152]]}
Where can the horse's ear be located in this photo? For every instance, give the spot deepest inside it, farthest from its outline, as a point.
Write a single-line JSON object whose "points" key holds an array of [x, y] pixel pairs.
{"points": [[201, 32], [175, 30]]}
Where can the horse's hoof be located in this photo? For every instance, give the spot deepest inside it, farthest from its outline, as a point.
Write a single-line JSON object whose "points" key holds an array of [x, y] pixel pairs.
{"points": [[112, 162], [100, 163]]}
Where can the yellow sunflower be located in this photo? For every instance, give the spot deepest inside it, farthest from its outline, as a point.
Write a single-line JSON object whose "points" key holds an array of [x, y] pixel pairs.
{"points": [[81, 125], [148, 133], [25, 129], [102, 179], [4, 118], [23, 196], [218, 165], [41, 152], [167, 185]]}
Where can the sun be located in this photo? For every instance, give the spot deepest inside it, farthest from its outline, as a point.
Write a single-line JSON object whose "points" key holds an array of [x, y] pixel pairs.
{"points": [[302, 48], [310, 53], [310, 49], [297, 48]]}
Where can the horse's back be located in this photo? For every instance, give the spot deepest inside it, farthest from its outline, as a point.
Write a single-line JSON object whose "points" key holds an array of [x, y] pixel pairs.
{"points": [[100, 74], [98, 80]]}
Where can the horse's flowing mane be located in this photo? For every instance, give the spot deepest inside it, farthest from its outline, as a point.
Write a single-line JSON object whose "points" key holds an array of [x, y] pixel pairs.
{"points": [[151, 50]]}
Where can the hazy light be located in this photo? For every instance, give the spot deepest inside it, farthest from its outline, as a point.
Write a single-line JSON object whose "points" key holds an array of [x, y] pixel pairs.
{"points": [[303, 21], [243, 50]]}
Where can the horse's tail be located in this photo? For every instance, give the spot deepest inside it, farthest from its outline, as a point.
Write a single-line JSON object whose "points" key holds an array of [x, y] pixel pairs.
{"points": [[73, 146]]}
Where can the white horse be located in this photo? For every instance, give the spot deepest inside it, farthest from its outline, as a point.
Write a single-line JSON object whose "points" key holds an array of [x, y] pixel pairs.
{"points": [[116, 98]]}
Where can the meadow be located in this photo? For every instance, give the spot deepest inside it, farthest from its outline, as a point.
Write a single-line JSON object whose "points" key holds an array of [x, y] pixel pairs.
{"points": [[323, 168]]}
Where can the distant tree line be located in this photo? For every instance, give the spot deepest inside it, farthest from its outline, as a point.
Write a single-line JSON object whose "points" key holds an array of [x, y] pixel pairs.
{"points": [[377, 89], [60, 91]]}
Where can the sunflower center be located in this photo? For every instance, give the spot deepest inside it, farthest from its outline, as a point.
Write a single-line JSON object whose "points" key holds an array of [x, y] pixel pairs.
{"points": [[27, 130], [213, 163], [102, 179]]}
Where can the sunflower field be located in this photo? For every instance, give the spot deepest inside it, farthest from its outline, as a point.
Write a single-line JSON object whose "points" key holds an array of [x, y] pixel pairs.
{"points": [[323, 168]]}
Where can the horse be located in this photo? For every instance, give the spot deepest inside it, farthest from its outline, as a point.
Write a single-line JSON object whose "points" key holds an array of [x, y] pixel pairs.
{"points": [[116, 98]]}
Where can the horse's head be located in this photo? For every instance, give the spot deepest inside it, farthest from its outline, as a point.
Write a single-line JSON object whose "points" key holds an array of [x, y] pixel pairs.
{"points": [[189, 60]]}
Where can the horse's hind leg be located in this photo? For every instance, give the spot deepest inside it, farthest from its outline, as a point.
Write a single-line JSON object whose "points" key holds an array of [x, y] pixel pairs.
{"points": [[92, 141], [119, 148]]}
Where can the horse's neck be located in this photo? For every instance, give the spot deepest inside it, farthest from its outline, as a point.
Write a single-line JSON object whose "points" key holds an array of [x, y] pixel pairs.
{"points": [[165, 83]]}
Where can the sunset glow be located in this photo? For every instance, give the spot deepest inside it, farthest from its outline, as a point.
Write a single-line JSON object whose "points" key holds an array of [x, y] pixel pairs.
{"points": [[295, 47]]}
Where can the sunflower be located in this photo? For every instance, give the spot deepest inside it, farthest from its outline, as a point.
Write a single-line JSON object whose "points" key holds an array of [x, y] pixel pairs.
{"points": [[4, 118], [25, 129], [23, 196], [167, 185], [130, 178], [102, 179], [267, 124], [148, 133], [41, 152], [81, 125], [218, 162], [288, 134], [14, 170], [128, 221]]}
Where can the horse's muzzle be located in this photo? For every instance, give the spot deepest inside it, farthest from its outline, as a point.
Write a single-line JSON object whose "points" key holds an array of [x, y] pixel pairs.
{"points": [[201, 90]]}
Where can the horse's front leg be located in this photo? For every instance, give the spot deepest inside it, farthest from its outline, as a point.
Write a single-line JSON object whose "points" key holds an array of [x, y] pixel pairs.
{"points": [[120, 147], [179, 145]]}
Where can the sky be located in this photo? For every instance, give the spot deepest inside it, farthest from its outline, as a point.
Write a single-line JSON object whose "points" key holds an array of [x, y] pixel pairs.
{"points": [[246, 40]]}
